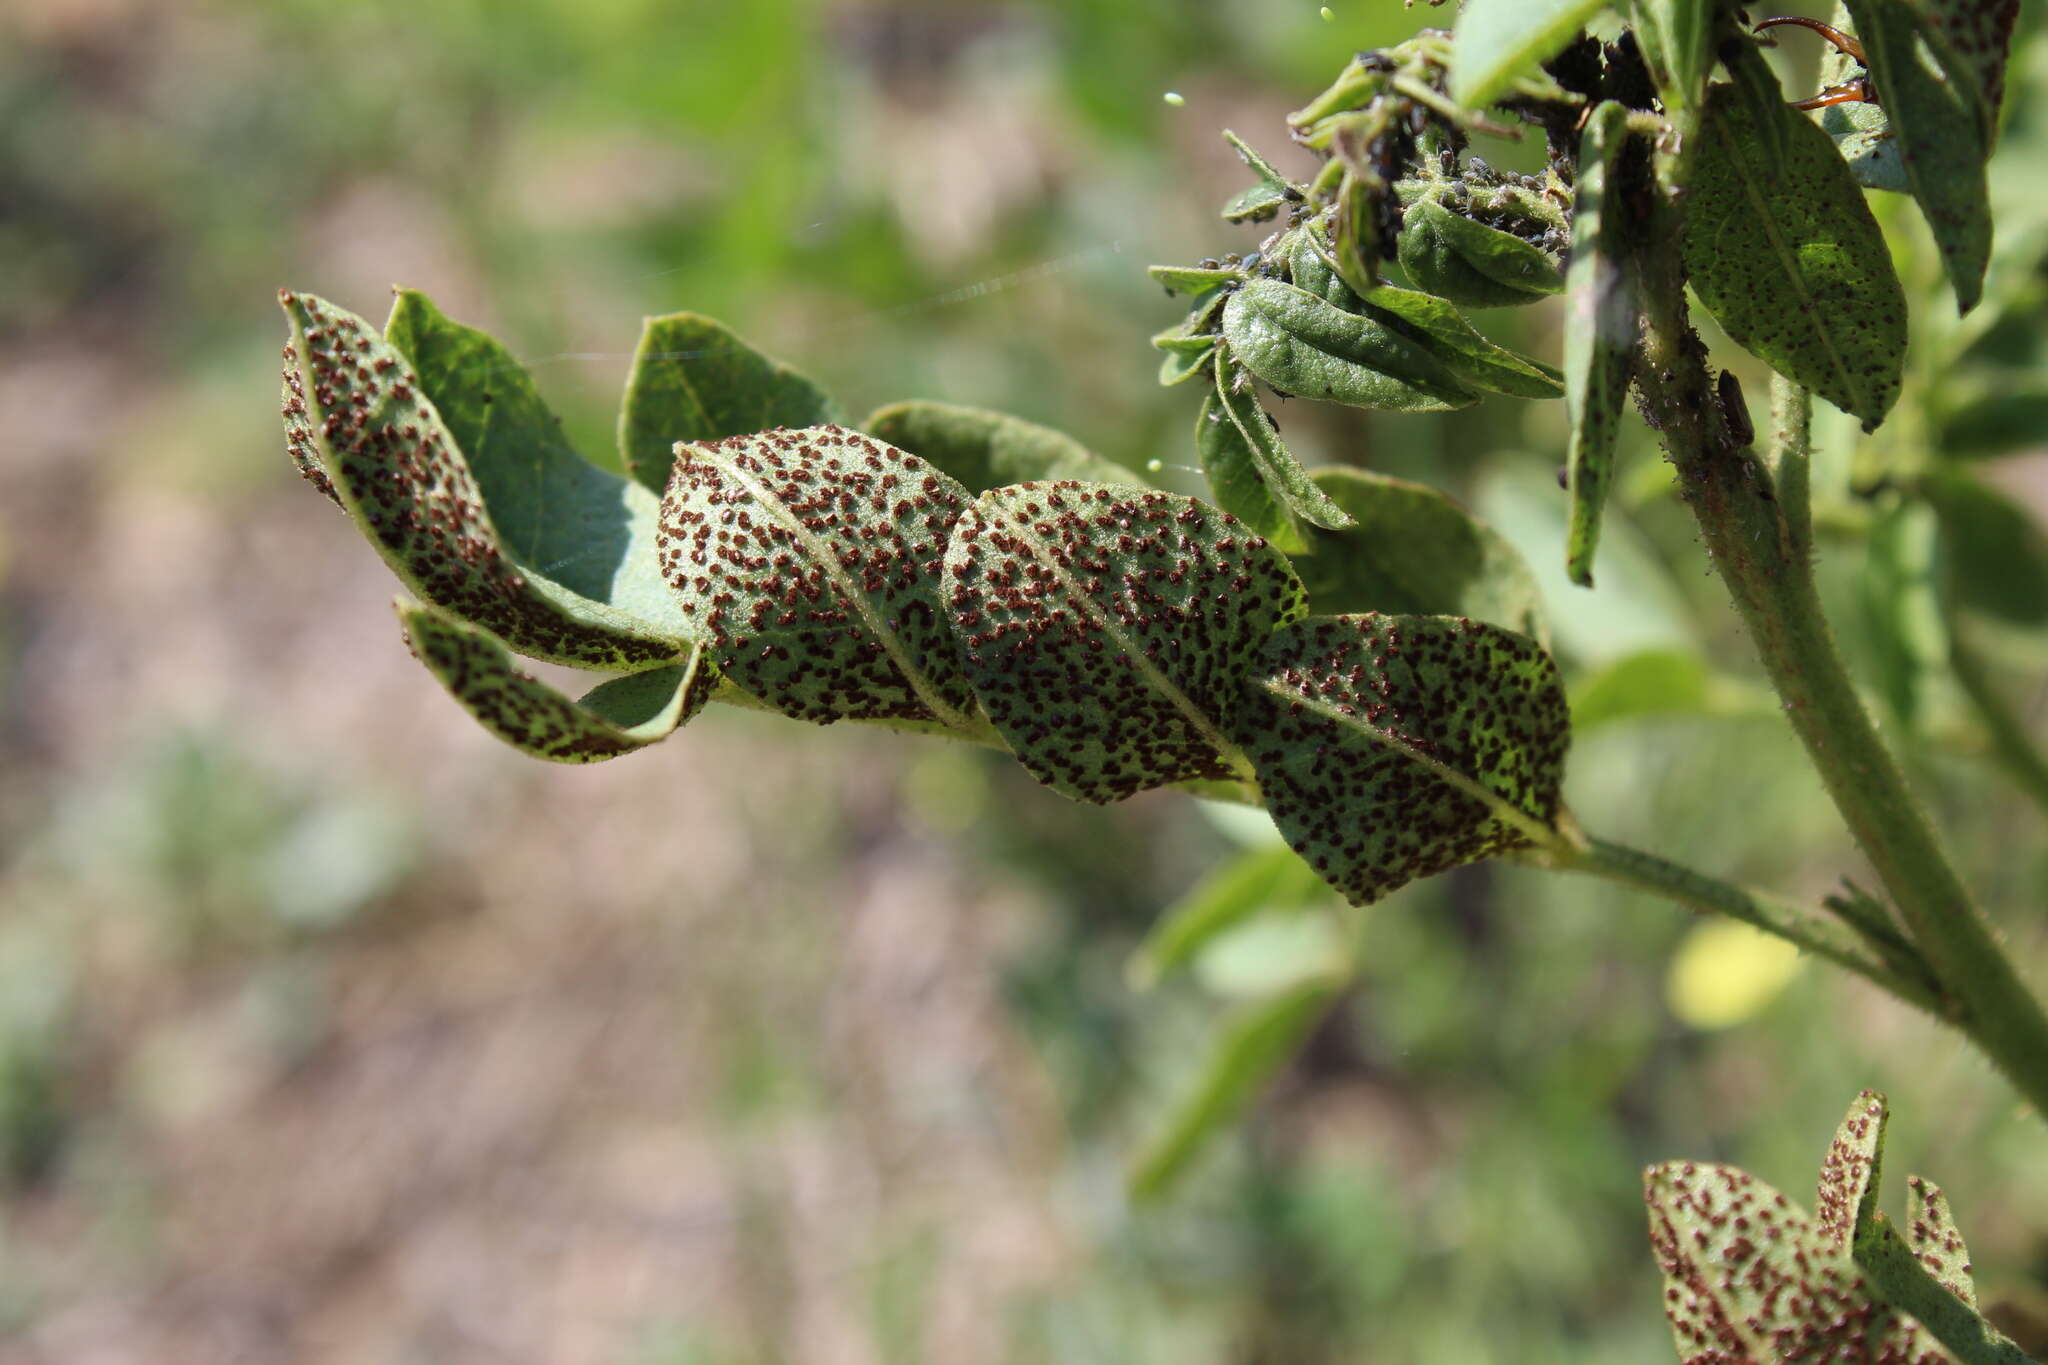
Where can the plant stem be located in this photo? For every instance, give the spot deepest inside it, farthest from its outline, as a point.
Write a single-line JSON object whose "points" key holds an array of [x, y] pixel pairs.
{"points": [[1817, 931], [1762, 559]]}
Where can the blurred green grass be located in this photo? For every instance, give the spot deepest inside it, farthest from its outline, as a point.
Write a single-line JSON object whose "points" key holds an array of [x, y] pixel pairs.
{"points": [[329, 1030]]}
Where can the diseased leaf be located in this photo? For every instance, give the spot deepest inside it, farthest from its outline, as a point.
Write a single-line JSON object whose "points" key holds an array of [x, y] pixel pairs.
{"points": [[693, 380], [1931, 1234], [1784, 251], [1749, 1281], [984, 449], [1249, 885], [1284, 476], [1475, 361], [621, 715], [1304, 346], [1676, 37], [1470, 263], [354, 407], [1231, 466], [1498, 40], [1599, 332], [584, 527], [1414, 552], [1941, 117], [810, 560], [1256, 1043], [1394, 747], [1850, 1174], [1107, 631]]}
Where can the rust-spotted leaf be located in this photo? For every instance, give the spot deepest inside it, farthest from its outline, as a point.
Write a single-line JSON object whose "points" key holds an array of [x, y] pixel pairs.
{"points": [[1107, 631], [617, 717], [1393, 747], [810, 560], [360, 426]]}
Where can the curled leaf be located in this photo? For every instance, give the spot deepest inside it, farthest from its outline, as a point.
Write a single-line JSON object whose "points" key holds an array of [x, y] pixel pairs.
{"points": [[1302, 345], [1475, 361], [1394, 747], [984, 449], [694, 380], [618, 717], [1231, 466], [810, 560], [1470, 263], [1107, 631], [1599, 332], [1258, 438], [355, 408]]}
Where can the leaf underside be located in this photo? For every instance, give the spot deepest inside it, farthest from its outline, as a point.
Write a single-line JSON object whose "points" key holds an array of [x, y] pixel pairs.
{"points": [[1106, 631], [810, 560], [620, 716], [1390, 748], [355, 408]]}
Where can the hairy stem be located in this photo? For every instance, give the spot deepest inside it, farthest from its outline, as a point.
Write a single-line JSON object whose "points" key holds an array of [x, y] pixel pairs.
{"points": [[1817, 931], [1761, 556]]}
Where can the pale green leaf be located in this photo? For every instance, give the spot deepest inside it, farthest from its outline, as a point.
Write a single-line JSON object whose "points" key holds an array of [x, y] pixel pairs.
{"points": [[1414, 552], [1255, 1044], [810, 561], [1499, 40], [1599, 332], [584, 527], [1107, 631], [984, 449], [1932, 1235], [1231, 465], [693, 380], [1475, 361], [618, 717], [1394, 747], [1784, 251], [1304, 346], [1188, 279], [1470, 263], [1676, 38], [1252, 883], [358, 413]]}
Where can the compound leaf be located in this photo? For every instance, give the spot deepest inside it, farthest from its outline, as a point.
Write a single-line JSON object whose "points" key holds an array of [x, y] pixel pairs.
{"points": [[1393, 747], [985, 450], [810, 560], [1414, 552], [1106, 631], [359, 415], [618, 717], [1784, 251], [693, 380]]}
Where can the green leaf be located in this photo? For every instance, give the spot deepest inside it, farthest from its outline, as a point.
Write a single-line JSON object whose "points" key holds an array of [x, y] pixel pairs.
{"points": [[1467, 262], [2003, 416], [984, 449], [1188, 279], [356, 410], [1499, 40], [1850, 1174], [1247, 886], [1106, 631], [1676, 37], [585, 527], [1311, 266], [1284, 476], [1932, 1235], [810, 560], [619, 716], [1231, 465], [1902, 607], [1936, 104], [1304, 346], [693, 380], [1784, 251], [1656, 682], [1255, 1044], [1185, 358], [1265, 199], [1414, 552], [1394, 747], [1599, 332], [1475, 361], [1995, 555]]}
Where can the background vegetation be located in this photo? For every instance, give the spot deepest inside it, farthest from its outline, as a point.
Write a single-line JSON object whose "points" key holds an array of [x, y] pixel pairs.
{"points": [[330, 1030]]}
